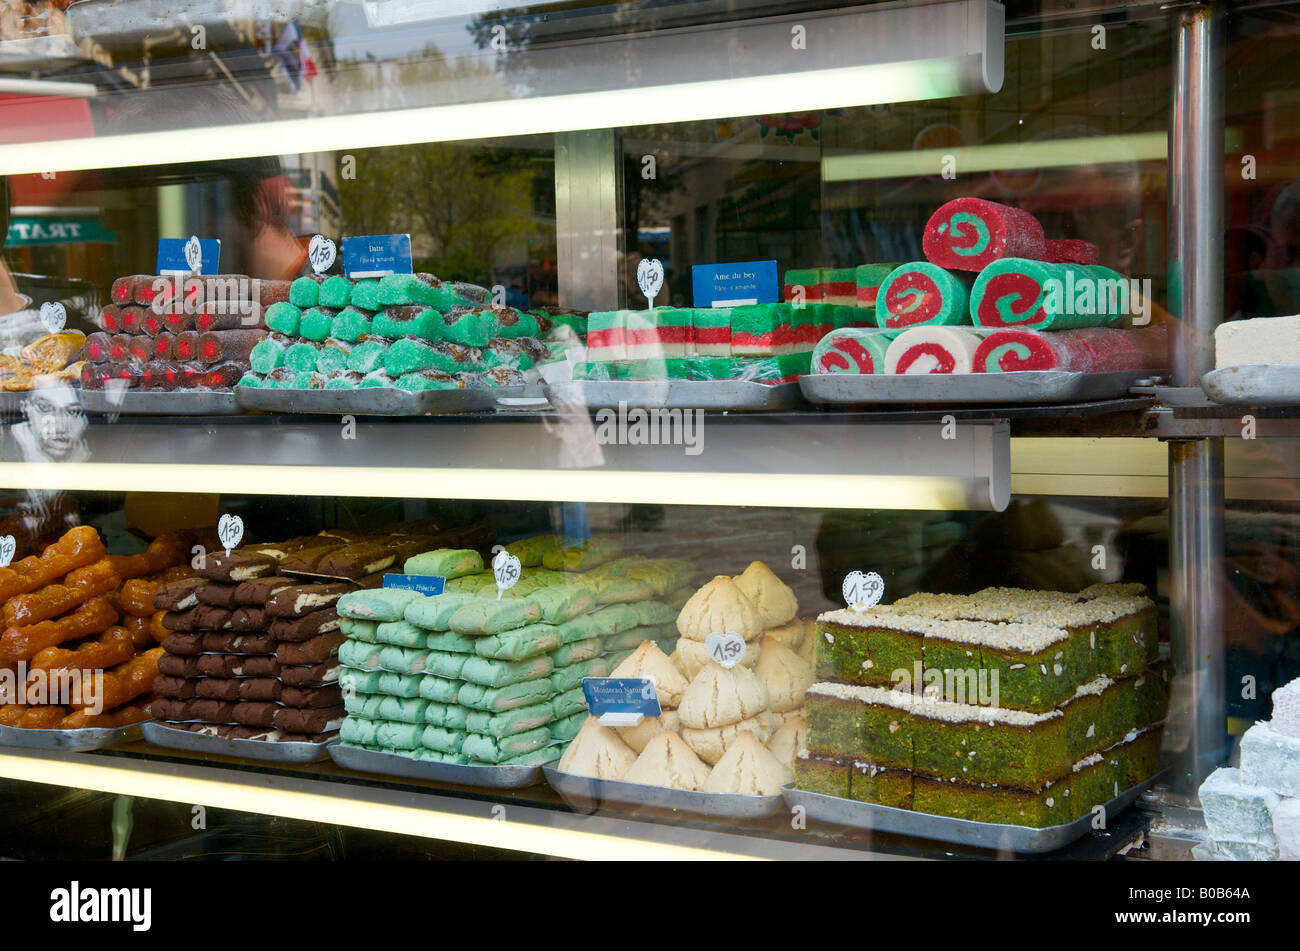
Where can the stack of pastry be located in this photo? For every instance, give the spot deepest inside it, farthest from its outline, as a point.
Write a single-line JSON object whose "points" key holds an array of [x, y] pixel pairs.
{"points": [[70, 664], [250, 653], [716, 721], [164, 333], [466, 678]]}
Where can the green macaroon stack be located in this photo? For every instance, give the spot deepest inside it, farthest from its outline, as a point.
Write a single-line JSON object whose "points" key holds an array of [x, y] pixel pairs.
{"points": [[467, 677], [1008, 706]]}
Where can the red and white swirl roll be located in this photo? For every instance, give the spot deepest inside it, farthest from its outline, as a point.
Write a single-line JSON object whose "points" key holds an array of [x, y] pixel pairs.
{"points": [[1006, 351], [966, 234], [1072, 251], [932, 348]]}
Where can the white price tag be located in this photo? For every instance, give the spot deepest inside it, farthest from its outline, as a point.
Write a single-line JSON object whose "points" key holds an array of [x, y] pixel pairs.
{"points": [[863, 591], [726, 649], [194, 254], [321, 252], [54, 316], [506, 569], [230, 529], [650, 275], [8, 545]]}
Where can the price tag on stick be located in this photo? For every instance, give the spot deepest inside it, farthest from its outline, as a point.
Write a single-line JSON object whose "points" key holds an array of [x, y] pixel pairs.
{"points": [[506, 569], [863, 591], [230, 529], [54, 316], [650, 276], [726, 649], [321, 252], [8, 545]]}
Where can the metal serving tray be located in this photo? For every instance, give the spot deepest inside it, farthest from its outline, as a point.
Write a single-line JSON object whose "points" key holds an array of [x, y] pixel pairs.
{"points": [[1258, 384], [986, 835], [585, 793], [390, 764], [172, 738], [71, 740], [374, 401], [1020, 386], [736, 395], [161, 403]]}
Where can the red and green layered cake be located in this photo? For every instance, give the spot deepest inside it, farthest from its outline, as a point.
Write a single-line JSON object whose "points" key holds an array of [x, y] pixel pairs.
{"points": [[1037, 732], [803, 286], [761, 330], [711, 331], [840, 286], [868, 278], [607, 336], [664, 332]]}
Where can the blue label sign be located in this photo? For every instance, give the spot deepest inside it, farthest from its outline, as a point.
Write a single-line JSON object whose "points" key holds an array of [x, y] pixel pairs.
{"points": [[620, 695], [376, 255], [732, 285], [189, 256], [425, 584]]}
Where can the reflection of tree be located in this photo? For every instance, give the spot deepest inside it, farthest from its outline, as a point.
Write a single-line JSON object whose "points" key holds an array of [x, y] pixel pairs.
{"points": [[460, 203]]}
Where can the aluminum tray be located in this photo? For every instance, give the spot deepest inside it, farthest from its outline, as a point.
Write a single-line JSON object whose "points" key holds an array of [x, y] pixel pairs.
{"points": [[986, 835], [738, 395], [390, 764], [1258, 384], [373, 401], [161, 403], [585, 794], [172, 738], [71, 740], [1021, 386]]}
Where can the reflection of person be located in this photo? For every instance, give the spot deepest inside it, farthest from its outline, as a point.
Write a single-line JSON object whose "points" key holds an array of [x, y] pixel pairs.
{"points": [[20, 323], [54, 424], [256, 215], [1263, 264]]}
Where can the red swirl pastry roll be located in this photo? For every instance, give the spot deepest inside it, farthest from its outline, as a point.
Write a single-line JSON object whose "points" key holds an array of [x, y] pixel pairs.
{"points": [[222, 376], [271, 292], [237, 316], [922, 293], [110, 318], [1071, 251], [139, 348], [966, 234], [852, 350], [932, 349], [159, 375], [216, 346], [177, 321], [1111, 350], [93, 375], [119, 348], [99, 347], [132, 319], [128, 373], [129, 289], [164, 346], [1005, 351], [185, 347]]}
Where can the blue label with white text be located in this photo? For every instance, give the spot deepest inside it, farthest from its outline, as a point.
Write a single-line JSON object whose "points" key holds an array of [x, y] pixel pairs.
{"points": [[376, 255], [620, 695], [425, 584], [732, 285], [173, 259]]}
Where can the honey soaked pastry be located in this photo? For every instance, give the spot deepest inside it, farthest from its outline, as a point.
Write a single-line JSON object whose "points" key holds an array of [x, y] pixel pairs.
{"points": [[164, 552], [127, 681], [80, 586], [79, 547], [157, 630], [41, 718], [137, 596], [51, 352], [139, 629], [22, 643], [113, 648], [85, 720], [11, 713]]}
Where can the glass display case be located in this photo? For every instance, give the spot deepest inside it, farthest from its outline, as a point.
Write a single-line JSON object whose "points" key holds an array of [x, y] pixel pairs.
{"points": [[679, 429]]}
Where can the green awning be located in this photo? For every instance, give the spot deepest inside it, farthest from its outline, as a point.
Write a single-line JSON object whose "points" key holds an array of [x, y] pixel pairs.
{"points": [[28, 232]]}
